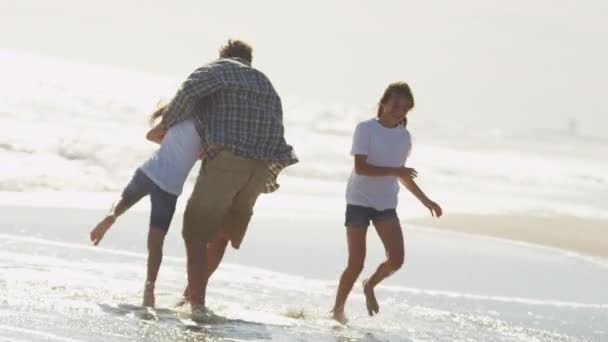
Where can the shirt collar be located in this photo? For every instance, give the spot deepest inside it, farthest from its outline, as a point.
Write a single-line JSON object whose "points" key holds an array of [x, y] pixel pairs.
{"points": [[241, 60]]}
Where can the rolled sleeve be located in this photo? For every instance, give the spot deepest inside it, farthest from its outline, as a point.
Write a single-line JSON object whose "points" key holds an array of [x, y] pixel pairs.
{"points": [[201, 83], [360, 141]]}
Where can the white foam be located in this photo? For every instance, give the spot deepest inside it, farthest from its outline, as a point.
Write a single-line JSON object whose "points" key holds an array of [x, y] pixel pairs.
{"points": [[36, 335]]}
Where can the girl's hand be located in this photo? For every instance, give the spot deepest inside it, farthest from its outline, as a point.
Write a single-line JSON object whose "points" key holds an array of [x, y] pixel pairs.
{"points": [[202, 154], [156, 134], [434, 208], [407, 172]]}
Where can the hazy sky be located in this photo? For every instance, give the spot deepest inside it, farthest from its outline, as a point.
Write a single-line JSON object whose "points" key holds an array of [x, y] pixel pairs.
{"points": [[488, 60]]}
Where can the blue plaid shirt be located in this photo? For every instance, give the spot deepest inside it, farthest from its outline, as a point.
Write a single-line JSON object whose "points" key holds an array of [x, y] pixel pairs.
{"points": [[235, 106]]}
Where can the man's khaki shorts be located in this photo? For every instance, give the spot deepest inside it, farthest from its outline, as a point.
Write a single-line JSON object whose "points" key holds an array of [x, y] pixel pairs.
{"points": [[222, 201]]}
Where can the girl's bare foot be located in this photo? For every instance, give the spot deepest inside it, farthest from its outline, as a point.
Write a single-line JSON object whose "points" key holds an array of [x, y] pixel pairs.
{"points": [[370, 298], [183, 301], [149, 295], [102, 227]]}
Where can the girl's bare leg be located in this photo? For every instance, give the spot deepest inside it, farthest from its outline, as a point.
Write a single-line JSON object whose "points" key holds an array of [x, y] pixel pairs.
{"points": [[356, 258], [392, 238], [156, 238], [118, 208]]}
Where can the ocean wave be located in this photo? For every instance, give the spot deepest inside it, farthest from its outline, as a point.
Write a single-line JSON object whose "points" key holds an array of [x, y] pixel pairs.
{"points": [[78, 127]]}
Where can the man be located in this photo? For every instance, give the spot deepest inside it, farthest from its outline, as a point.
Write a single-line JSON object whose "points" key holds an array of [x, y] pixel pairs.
{"points": [[239, 117]]}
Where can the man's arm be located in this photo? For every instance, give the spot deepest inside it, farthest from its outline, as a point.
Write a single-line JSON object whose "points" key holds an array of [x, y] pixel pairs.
{"points": [[200, 83]]}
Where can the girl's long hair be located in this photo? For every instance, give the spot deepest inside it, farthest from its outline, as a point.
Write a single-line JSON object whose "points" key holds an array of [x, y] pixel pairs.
{"points": [[400, 89]]}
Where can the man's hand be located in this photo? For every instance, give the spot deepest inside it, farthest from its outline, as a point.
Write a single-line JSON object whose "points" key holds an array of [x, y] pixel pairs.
{"points": [[434, 208]]}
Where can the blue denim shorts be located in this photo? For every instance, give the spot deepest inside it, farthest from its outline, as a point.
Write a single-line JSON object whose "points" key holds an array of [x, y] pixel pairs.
{"points": [[359, 217], [163, 203]]}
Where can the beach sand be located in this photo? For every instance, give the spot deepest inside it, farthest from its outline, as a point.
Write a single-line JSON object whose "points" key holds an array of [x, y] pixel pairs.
{"points": [[576, 234]]}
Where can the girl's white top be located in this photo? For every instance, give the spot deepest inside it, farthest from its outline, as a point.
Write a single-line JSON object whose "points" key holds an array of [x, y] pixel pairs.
{"points": [[385, 147], [171, 163]]}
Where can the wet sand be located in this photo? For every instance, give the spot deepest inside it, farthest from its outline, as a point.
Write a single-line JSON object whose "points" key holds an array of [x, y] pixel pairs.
{"points": [[580, 235]]}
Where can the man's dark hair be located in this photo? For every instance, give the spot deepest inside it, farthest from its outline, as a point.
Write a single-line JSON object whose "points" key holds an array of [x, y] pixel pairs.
{"points": [[237, 48]]}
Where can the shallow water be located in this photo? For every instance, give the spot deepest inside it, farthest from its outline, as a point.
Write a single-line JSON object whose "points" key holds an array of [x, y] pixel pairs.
{"points": [[56, 288]]}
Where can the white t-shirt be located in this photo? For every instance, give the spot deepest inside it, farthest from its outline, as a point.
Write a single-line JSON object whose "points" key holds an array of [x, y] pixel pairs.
{"points": [[384, 147], [171, 163]]}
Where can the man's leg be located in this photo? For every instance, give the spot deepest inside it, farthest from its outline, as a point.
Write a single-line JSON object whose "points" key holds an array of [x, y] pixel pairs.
{"points": [[197, 260], [219, 181], [215, 253], [235, 224]]}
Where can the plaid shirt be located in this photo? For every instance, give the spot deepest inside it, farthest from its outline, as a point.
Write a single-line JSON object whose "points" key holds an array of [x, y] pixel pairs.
{"points": [[234, 106]]}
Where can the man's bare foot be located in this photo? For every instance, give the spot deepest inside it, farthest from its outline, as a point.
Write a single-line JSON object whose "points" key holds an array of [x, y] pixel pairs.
{"points": [[102, 227], [370, 298], [149, 295], [186, 295], [185, 298], [200, 313], [338, 315], [183, 301]]}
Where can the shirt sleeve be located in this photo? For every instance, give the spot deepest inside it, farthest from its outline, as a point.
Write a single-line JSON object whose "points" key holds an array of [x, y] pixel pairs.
{"points": [[360, 141], [201, 83]]}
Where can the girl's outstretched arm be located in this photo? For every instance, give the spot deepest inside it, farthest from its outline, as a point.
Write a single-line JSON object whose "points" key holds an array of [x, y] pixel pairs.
{"points": [[410, 185], [363, 168]]}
